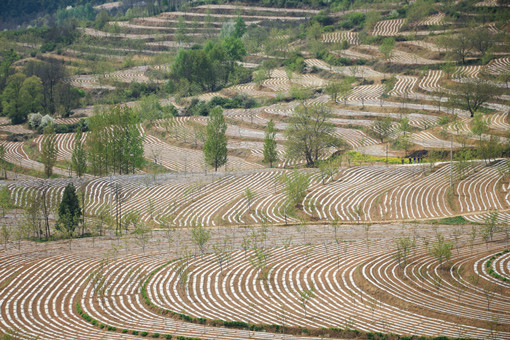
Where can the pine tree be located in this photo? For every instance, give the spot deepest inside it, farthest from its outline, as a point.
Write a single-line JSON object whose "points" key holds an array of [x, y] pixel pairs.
{"points": [[79, 157], [270, 154], [49, 150], [69, 211], [215, 146]]}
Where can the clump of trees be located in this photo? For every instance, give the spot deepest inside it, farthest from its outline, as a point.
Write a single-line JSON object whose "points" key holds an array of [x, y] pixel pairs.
{"points": [[41, 87], [469, 42], [212, 67], [115, 142]]}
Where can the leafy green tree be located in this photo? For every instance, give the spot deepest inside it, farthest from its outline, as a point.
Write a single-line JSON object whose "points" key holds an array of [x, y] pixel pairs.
{"points": [[482, 39], [371, 19], [115, 142], [49, 150], [270, 154], [386, 47], [489, 148], [182, 30], [309, 133], [11, 100], [142, 234], [69, 211], [239, 28], [3, 162], [234, 48], [344, 88], [404, 246], [101, 20], [51, 73], [479, 126], [333, 89], [5, 235], [416, 12], [215, 146], [314, 31], [471, 95], [295, 186], [79, 156], [200, 236], [381, 129], [5, 200], [306, 295], [67, 98], [328, 169], [441, 249]]}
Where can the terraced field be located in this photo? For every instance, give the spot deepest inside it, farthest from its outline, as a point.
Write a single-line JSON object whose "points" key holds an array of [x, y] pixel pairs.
{"points": [[331, 265], [360, 279]]}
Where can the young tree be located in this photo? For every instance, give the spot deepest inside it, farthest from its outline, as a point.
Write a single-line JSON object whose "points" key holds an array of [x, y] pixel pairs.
{"points": [[5, 235], [3, 162], [441, 249], [371, 19], [386, 47], [404, 246], [270, 154], [239, 28], [200, 236], [215, 146], [49, 150], [309, 133], [79, 157], [489, 148], [306, 295], [416, 12], [328, 169], [5, 200], [296, 184], [249, 195], [69, 211], [479, 126], [381, 129], [458, 45], [142, 234]]}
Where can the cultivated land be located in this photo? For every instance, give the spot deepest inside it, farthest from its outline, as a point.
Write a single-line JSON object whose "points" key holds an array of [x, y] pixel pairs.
{"points": [[395, 241]]}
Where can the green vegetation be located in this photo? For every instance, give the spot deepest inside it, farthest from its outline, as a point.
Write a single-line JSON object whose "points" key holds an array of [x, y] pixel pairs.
{"points": [[215, 145], [115, 143]]}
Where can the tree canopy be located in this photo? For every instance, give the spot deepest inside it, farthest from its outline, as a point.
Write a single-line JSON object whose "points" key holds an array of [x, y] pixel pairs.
{"points": [[309, 133], [215, 146]]}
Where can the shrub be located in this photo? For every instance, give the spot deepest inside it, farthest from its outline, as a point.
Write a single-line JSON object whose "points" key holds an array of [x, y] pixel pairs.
{"points": [[155, 335], [134, 332], [34, 120], [124, 330], [144, 333], [168, 336], [47, 119]]}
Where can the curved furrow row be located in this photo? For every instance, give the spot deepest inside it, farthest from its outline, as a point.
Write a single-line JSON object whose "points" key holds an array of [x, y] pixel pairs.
{"points": [[388, 27]]}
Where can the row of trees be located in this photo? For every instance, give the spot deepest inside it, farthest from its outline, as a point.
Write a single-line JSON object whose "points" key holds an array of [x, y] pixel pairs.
{"points": [[114, 143]]}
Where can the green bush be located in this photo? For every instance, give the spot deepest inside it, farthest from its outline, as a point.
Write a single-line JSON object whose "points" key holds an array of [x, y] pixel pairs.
{"points": [[155, 335], [144, 333]]}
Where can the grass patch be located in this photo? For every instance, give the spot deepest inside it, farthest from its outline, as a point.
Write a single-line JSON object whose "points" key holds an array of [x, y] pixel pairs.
{"points": [[455, 220]]}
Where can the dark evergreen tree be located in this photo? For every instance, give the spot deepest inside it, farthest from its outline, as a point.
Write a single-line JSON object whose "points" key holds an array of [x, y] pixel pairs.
{"points": [[69, 211]]}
